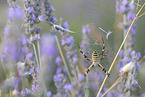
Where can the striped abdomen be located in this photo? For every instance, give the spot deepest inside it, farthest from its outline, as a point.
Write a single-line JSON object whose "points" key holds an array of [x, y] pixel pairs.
{"points": [[95, 56]]}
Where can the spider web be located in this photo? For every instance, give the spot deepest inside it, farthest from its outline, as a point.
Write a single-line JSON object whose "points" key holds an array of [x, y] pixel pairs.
{"points": [[95, 13], [100, 15]]}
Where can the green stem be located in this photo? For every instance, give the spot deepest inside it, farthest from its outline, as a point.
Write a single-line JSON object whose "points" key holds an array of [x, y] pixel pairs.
{"points": [[86, 89], [38, 46], [67, 68], [10, 93], [35, 54]]}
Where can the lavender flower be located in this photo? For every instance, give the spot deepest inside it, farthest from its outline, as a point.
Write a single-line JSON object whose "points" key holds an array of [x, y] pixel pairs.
{"points": [[13, 36], [68, 43], [74, 86], [48, 12], [127, 54], [14, 50], [32, 14], [48, 55], [85, 45]]}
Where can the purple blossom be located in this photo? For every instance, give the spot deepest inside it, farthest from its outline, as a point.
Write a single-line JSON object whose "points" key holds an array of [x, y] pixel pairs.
{"points": [[37, 69], [6, 30], [58, 60], [63, 42], [68, 87], [124, 2], [117, 6], [15, 12], [24, 41], [133, 32], [64, 70], [137, 65], [130, 16], [139, 54], [49, 94], [85, 30], [65, 25], [68, 56], [34, 87], [31, 71], [28, 91], [80, 95], [58, 78], [30, 10], [133, 53], [132, 7], [121, 95], [143, 95], [48, 45], [122, 8], [22, 93], [69, 40], [37, 36], [121, 53], [59, 70], [41, 18], [126, 60], [48, 12], [81, 77], [3, 57], [29, 56]]}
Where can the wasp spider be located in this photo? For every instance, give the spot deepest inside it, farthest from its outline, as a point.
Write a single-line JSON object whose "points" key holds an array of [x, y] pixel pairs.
{"points": [[95, 60]]}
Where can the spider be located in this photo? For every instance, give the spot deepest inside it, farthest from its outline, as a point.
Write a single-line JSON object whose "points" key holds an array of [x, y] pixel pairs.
{"points": [[95, 59]]}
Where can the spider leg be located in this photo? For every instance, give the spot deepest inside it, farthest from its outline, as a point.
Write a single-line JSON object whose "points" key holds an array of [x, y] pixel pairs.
{"points": [[103, 69], [101, 58], [88, 70], [85, 56]]}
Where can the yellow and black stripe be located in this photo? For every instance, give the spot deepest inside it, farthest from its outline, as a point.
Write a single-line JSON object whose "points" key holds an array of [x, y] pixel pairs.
{"points": [[95, 56]]}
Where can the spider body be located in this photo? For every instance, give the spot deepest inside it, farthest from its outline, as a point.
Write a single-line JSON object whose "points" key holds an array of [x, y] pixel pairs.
{"points": [[95, 60], [95, 56]]}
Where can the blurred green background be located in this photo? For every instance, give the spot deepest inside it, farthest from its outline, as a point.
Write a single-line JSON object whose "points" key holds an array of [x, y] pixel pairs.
{"points": [[96, 13]]}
